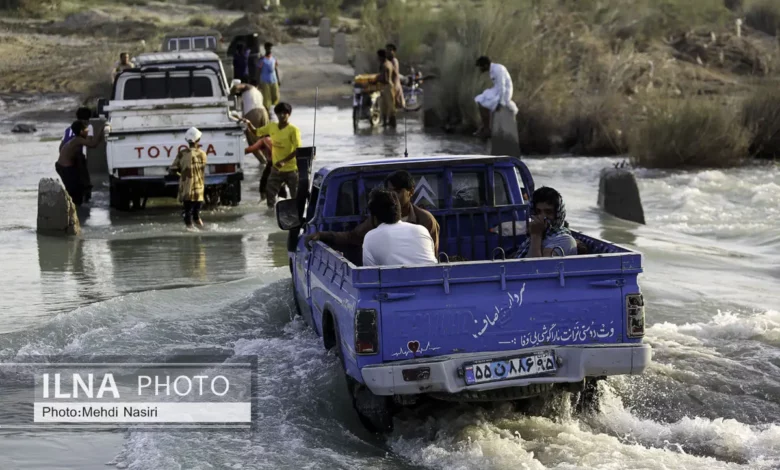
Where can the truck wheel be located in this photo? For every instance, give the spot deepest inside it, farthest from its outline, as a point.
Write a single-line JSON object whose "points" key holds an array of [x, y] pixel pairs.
{"points": [[375, 412], [211, 197], [137, 206], [587, 401], [119, 197], [375, 113]]}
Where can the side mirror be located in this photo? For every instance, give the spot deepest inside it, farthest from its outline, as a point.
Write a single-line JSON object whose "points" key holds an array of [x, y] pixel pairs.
{"points": [[287, 215]]}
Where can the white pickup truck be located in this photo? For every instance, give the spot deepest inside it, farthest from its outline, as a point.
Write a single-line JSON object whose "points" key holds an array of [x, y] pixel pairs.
{"points": [[151, 108]]}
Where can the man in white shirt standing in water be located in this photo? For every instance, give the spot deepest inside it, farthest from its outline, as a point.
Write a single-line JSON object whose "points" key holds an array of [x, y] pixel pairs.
{"points": [[394, 242]]}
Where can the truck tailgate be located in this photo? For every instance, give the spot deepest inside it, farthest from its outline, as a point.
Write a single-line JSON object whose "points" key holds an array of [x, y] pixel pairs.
{"points": [[505, 305], [159, 148]]}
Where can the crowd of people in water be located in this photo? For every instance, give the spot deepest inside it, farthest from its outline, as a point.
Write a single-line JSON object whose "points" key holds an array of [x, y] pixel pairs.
{"points": [[413, 231]]}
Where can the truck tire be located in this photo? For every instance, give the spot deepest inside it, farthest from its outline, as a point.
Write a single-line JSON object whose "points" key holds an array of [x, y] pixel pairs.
{"points": [[588, 400], [119, 197], [137, 203], [375, 412], [375, 113], [231, 194]]}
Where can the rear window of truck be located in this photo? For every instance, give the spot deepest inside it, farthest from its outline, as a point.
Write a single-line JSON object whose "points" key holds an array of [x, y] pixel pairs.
{"points": [[177, 87], [469, 190]]}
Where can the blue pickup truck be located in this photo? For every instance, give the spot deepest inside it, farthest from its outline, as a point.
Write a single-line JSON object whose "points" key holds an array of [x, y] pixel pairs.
{"points": [[477, 326]]}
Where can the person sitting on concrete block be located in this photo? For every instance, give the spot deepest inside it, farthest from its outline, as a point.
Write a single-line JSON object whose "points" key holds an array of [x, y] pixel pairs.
{"points": [[499, 95]]}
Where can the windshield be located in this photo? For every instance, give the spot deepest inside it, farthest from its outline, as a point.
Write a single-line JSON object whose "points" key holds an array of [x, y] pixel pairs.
{"points": [[151, 88]]}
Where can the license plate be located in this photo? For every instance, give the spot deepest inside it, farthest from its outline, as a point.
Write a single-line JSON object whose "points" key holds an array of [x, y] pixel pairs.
{"points": [[510, 368], [155, 171]]}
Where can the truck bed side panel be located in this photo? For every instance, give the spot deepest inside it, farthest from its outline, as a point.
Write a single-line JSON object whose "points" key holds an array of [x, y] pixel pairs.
{"points": [[497, 306]]}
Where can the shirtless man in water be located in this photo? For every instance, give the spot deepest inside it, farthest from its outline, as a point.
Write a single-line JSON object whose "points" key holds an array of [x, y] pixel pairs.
{"points": [[70, 165]]}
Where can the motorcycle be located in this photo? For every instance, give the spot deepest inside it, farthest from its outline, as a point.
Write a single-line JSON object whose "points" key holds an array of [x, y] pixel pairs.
{"points": [[365, 100], [413, 93]]}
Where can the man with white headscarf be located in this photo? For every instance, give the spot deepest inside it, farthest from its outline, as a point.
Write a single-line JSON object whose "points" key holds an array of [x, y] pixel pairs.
{"points": [[500, 94]]}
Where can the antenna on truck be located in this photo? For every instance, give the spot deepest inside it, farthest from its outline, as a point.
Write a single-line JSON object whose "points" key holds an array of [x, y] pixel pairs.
{"points": [[314, 131], [406, 146]]}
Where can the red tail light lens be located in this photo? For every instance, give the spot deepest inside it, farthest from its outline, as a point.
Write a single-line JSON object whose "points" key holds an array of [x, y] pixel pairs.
{"points": [[130, 172], [226, 168], [366, 334]]}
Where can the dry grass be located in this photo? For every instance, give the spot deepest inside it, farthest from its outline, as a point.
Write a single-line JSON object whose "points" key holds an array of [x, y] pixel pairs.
{"points": [[690, 133], [761, 115]]}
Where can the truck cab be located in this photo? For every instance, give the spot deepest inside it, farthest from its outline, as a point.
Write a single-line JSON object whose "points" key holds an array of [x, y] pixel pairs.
{"points": [[206, 40], [480, 325], [170, 60], [151, 108]]}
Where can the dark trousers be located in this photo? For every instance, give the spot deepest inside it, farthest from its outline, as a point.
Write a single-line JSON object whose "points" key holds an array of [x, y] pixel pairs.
{"points": [[71, 178], [86, 181], [283, 192], [191, 212], [275, 181]]}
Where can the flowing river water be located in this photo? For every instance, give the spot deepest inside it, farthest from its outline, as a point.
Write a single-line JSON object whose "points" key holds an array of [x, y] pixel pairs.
{"points": [[139, 282]]}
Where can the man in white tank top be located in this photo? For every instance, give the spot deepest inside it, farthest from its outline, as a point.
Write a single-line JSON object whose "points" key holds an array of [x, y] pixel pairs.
{"points": [[394, 242]]}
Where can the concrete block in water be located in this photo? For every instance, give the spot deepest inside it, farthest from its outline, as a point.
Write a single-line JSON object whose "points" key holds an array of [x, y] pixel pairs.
{"points": [[56, 211], [24, 129], [325, 39], [504, 139], [619, 195], [340, 55]]}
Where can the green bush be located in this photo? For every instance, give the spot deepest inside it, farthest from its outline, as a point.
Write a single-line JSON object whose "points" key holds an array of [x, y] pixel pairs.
{"points": [[310, 11], [764, 15], [35, 8], [201, 20], [761, 115], [692, 132]]}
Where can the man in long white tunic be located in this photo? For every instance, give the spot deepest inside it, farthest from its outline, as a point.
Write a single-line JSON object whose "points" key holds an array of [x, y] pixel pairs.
{"points": [[499, 95]]}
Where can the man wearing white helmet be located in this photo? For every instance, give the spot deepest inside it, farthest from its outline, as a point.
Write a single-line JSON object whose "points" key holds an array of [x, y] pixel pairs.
{"points": [[190, 164]]}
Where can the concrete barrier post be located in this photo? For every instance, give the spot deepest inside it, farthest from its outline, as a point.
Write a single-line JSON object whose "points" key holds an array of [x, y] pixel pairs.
{"points": [[56, 211], [325, 39], [340, 55], [504, 139], [619, 195]]}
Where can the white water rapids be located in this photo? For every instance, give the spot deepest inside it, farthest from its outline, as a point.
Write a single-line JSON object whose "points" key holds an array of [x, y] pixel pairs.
{"points": [[139, 282]]}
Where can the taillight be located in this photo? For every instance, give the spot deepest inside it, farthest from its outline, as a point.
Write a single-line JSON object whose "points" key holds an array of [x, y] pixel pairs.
{"points": [[225, 168], [366, 334], [130, 172], [635, 310]]}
